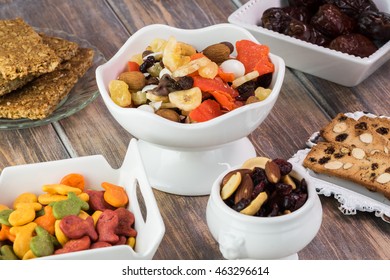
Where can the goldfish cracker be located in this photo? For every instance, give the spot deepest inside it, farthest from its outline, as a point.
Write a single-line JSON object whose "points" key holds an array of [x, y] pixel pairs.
{"points": [[75, 245], [106, 225], [74, 180], [25, 198], [60, 189], [42, 244], [97, 202], [23, 235], [131, 242], [83, 215], [126, 220], [5, 234], [29, 255], [4, 215], [3, 207], [71, 206], [47, 198], [115, 195], [95, 216], [24, 213], [61, 237], [47, 220], [75, 227], [7, 253]]}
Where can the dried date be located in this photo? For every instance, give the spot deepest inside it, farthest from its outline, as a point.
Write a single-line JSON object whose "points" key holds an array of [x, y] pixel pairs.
{"points": [[375, 25], [331, 22], [275, 19], [309, 4], [305, 32], [299, 13], [354, 8], [354, 44]]}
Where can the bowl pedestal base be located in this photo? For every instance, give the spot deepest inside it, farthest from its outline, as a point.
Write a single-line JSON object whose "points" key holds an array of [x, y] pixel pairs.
{"points": [[191, 173]]}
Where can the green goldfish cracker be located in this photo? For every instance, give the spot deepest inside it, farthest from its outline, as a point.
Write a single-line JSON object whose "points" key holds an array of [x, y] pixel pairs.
{"points": [[42, 244], [7, 253], [71, 206], [4, 215]]}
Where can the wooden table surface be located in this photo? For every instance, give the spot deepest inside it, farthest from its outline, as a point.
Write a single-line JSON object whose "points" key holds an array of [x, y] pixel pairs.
{"points": [[305, 104]]}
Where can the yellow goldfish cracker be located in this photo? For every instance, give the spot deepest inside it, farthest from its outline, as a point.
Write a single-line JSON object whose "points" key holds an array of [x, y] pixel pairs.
{"points": [[3, 207], [60, 189], [23, 235], [24, 213], [61, 237], [47, 198], [96, 215], [29, 255], [25, 197], [83, 215], [131, 242]]}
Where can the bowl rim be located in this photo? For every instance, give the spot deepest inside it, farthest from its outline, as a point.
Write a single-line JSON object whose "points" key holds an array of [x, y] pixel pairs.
{"points": [[216, 197], [193, 126]]}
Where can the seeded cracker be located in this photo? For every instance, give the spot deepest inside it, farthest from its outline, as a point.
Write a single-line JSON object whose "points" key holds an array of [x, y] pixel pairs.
{"points": [[22, 51], [39, 98], [64, 49]]}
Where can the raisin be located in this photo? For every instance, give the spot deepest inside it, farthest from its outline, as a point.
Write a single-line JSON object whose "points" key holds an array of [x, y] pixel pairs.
{"points": [[324, 160], [284, 166], [374, 166], [382, 130], [148, 62], [241, 204], [338, 155], [258, 176], [387, 170], [330, 150], [341, 137], [361, 125]]}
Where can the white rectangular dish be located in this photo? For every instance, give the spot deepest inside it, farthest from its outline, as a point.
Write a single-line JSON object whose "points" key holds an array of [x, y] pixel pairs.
{"points": [[337, 67], [16, 180]]}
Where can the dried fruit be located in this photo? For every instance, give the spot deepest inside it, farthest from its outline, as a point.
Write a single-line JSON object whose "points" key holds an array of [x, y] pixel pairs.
{"points": [[119, 92], [186, 100]]}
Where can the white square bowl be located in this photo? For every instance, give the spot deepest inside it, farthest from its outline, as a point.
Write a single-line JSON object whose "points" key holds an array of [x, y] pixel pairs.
{"points": [[131, 175], [331, 65]]}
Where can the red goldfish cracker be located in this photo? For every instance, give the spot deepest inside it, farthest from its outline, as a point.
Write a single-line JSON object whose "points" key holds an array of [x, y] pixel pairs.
{"points": [[96, 201], [115, 195], [74, 180], [5, 234], [23, 235], [106, 226], [74, 245], [47, 220], [75, 227]]}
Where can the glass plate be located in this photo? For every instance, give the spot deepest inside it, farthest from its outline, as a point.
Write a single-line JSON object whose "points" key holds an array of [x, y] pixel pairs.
{"points": [[83, 93], [352, 197]]}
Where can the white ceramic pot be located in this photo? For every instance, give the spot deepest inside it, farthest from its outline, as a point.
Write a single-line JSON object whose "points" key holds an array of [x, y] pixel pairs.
{"points": [[248, 237]]}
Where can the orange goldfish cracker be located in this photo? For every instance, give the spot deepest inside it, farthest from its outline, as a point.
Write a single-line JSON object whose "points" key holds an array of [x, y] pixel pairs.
{"points": [[47, 220], [115, 195], [60, 189], [74, 180], [5, 234], [23, 235], [24, 213]]}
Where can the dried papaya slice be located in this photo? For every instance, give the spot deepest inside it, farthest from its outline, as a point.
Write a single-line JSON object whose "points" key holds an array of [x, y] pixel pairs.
{"points": [[254, 57]]}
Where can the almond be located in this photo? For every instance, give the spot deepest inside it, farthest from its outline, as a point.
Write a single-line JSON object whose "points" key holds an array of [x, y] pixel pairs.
{"points": [[366, 138], [272, 171], [134, 79], [217, 53], [333, 165], [358, 153], [383, 178], [340, 127], [245, 189]]}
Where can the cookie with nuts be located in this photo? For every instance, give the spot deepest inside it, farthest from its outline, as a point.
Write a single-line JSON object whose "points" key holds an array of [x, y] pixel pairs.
{"points": [[369, 134], [351, 163]]}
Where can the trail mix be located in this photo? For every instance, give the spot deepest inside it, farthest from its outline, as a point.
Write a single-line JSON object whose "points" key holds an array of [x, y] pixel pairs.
{"points": [[66, 217], [180, 83], [263, 187]]}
